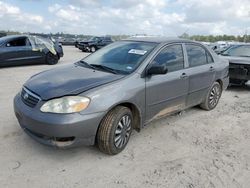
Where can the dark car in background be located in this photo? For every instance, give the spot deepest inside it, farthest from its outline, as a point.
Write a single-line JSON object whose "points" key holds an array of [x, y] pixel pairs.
{"points": [[25, 49], [121, 87], [239, 63], [68, 41], [94, 43], [80, 40], [2, 34]]}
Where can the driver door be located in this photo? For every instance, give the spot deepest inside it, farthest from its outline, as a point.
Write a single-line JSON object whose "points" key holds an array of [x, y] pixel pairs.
{"points": [[167, 93]]}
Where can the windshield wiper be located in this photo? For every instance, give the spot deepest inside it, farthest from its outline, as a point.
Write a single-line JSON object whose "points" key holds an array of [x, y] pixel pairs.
{"points": [[86, 64], [105, 68]]}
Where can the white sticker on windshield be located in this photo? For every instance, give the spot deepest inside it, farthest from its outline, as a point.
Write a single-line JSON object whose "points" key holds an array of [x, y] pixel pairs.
{"points": [[136, 51], [128, 67]]}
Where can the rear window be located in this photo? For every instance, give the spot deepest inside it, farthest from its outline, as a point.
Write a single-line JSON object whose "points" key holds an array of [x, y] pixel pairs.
{"points": [[196, 55]]}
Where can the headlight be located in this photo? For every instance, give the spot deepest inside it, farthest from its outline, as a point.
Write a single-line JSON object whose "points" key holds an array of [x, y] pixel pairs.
{"points": [[65, 105]]}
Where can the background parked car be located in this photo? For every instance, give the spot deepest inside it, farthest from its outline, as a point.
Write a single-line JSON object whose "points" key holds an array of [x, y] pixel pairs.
{"points": [[239, 63], [94, 44], [24, 49], [68, 41], [2, 34], [80, 40]]}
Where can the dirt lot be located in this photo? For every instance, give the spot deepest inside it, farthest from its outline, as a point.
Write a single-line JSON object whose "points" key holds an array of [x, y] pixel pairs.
{"points": [[192, 149]]}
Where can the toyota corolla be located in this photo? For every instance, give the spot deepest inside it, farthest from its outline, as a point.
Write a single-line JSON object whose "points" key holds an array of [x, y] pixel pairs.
{"points": [[120, 88]]}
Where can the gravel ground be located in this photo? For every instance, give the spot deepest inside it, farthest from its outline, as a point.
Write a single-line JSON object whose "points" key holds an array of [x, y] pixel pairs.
{"points": [[195, 148]]}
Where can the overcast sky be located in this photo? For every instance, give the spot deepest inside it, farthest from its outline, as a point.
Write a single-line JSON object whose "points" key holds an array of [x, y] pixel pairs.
{"points": [[152, 17]]}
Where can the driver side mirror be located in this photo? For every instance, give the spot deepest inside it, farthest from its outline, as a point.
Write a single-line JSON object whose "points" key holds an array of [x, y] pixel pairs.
{"points": [[157, 69]]}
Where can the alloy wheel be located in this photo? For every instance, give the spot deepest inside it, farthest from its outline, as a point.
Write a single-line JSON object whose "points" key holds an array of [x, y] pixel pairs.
{"points": [[214, 96], [122, 132]]}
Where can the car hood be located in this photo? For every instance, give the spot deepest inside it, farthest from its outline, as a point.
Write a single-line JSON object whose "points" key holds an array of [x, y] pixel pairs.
{"points": [[67, 80], [237, 60]]}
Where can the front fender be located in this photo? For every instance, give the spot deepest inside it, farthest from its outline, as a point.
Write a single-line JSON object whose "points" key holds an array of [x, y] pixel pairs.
{"points": [[128, 90]]}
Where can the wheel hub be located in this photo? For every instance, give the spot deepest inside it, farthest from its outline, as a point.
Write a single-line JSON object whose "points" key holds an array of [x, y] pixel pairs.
{"points": [[214, 96], [122, 131]]}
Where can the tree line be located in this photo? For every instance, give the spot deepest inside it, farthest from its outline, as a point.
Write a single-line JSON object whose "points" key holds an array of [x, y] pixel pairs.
{"points": [[215, 38], [204, 38]]}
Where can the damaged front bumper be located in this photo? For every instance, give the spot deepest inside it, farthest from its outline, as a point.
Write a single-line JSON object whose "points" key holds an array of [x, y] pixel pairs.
{"points": [[58, 130], [84, 47], [239, 71]]}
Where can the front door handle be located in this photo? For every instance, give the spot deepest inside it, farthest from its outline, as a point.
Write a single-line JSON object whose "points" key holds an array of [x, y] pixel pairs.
{"points": [[184, 76], [211, 69]]}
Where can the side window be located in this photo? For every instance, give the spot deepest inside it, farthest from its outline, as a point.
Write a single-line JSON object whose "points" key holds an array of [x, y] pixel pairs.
{"points": [[196, 55], [209, 58], [19, 42], [172, 57]]}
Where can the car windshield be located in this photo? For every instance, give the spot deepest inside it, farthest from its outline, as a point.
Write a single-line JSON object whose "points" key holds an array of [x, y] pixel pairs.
{"points": [[2, 40], [94, 39], [238, 50], [123, 57]]}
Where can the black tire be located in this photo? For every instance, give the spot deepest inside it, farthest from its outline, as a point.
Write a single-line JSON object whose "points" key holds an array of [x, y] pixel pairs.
{"points": [[51, 59], [93, 49], [108, 139], [212, 97]]}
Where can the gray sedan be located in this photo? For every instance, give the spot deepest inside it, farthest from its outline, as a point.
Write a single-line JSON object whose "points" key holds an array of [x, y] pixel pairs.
{"points": [[120, 88]]}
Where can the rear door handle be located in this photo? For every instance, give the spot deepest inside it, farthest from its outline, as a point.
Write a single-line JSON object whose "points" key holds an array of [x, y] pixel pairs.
{"points": [[184, 76], [211, 69]]}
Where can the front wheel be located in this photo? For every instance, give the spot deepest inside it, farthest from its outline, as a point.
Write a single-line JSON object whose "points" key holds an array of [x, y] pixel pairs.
{"points": [[115, 130], [51, 59], [212, 98]]}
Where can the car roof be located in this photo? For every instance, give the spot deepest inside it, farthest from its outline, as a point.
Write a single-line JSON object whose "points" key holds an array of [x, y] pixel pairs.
{"points": [[158, 39], [11, 37]]}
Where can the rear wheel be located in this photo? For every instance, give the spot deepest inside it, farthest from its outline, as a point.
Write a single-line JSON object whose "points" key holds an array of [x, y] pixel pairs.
{"points": [[51, 59], [115, 130], [212, 98]]}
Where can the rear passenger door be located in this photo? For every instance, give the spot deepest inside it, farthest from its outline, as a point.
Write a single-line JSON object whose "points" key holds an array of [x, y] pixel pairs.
{"points": [[167, 93], [201, 72]]}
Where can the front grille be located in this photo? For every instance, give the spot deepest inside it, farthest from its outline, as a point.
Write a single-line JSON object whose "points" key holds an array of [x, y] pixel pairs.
{"points": [[29, 98]]}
